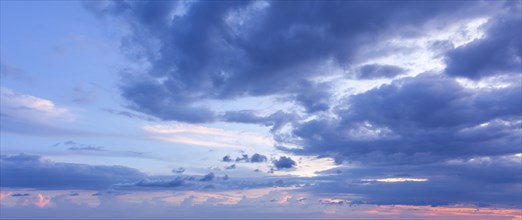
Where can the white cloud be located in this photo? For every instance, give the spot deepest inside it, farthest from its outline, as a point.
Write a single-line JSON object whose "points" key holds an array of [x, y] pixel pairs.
{"points": [[30, 107]]}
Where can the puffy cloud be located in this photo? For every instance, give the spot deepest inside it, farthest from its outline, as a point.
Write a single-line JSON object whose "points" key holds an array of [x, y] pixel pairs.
{"points": [[284, 163], [255, 158], [226, 158], [224, 50], [258, 158]]}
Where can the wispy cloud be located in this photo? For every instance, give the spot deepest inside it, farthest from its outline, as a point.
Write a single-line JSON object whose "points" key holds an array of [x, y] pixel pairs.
{"points": [[24, 106], [207, 136]]}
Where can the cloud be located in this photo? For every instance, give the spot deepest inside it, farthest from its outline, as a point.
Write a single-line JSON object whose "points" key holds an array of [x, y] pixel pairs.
{"points": [[31, 108], [499, 52], [258, 158], [20, 171], [276, 120], [482, 180], [131, 115], [179, 170], [284, 163], [209, 177], [227, 50], [160, 183], [375, 71], [416, 120], [207, 136], [226, 158], [73, 146], [244, 157], [20, 194], [231, 167]]}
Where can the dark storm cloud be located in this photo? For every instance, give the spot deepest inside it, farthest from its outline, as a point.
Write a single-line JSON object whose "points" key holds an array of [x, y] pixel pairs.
{"points": [[222, 50], [417, 120], [284, 163], [499, 52], [30, 171], [375, 71]]}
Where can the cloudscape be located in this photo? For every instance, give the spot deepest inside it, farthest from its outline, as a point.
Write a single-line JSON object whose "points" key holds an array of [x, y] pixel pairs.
{"points": [[261, 109]]}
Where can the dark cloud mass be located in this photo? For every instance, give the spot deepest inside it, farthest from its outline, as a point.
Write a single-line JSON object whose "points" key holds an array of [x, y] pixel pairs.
{"points": [[499, 52], [418, 120], [31, 171], [222, 50]]}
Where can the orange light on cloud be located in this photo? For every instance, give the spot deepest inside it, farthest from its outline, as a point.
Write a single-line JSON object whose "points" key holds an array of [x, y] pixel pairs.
{"points": [[4, 194], [42, 200], [447, 212]]}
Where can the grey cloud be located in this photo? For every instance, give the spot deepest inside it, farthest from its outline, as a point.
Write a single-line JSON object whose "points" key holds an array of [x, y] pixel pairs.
{"points": [[284, 163], [231, 167], [275, 120], [255, 158], [86, 148], [493, 181], [179, 170], [227, 159], [375, 71], [31, 171], [417, 120], [224, 50], [130, 115], [74, 146], [209, 177], [160, 183], [20, 194], [258, 158], [499, 52], [244, 157]]}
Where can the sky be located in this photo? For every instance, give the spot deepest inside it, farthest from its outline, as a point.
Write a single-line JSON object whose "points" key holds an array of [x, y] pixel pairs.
{"points": [[261, 109]]}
